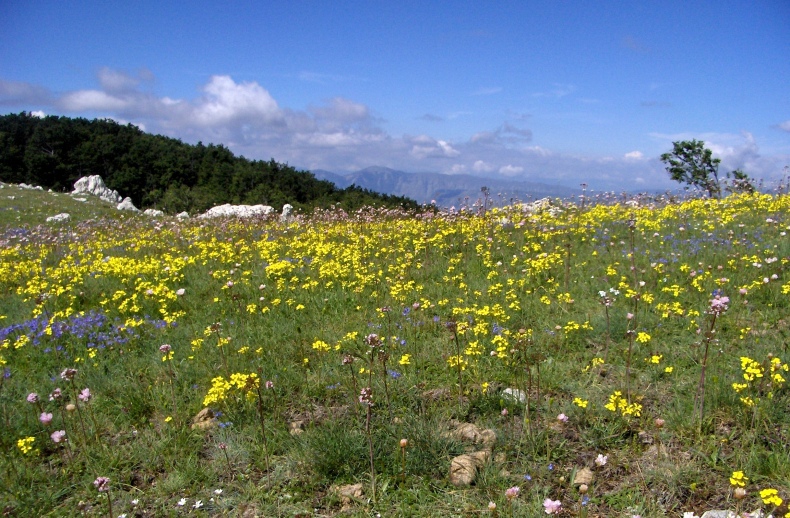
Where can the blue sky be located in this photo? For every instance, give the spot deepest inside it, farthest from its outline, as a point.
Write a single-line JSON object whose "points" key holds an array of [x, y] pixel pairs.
{"points": [[555, 91]]}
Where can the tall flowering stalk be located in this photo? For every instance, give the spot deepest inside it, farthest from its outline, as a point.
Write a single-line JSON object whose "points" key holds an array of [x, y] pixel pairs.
{"points": [[366, 399], [453, 328], [718, 305]]}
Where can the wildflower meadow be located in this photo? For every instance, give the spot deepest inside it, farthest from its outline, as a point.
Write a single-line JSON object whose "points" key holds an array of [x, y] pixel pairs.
{"points": [[616, 357]]}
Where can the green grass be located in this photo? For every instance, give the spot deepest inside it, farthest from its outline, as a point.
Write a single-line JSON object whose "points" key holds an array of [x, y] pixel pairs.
{"points": [[287, 304]]}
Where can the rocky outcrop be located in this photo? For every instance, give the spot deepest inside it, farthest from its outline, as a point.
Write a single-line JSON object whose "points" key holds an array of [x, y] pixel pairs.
{"points": [[237, 211], [127, 204], [63, 216], [153, 213], [94, 185]]}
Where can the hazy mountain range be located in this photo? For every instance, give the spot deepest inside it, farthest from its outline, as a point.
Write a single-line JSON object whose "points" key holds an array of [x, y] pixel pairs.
{"points": [[446, 190]]}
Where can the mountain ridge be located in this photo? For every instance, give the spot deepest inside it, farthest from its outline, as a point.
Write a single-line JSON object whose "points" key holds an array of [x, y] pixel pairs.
{"points": [[443, 189]]}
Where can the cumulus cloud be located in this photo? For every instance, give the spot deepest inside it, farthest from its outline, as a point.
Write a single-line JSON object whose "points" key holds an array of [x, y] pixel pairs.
{"points": [[634, 155]]}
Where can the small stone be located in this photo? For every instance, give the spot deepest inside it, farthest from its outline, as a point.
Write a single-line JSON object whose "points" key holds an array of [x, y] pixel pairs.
{"points": [[583, 476], [296, 427], [204, 420], [463, 469]]}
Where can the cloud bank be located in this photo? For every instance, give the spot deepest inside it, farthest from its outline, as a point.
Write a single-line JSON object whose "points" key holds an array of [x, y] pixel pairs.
{"points": [[339, 134]]}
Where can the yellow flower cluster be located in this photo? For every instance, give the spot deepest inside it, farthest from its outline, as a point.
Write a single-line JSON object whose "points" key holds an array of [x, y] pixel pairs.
{"points": [[221, 388], [618, 403], [25, 445]]}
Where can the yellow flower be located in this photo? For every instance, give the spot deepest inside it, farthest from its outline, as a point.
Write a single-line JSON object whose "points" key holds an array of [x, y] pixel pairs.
{"points": [[669, 369], [25, 445], [738, 479], [405, 359], [771, 497], [579, 402]]}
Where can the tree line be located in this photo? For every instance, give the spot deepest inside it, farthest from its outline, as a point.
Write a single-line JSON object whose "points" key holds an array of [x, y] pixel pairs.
{"points": [[161, 172]]}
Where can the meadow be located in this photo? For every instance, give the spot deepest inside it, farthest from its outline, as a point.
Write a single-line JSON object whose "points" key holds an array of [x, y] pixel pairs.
{"points": [[616, 358]]}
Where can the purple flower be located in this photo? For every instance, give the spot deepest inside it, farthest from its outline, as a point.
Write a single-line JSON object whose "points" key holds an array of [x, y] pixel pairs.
{"points": [[45, 418], [56, 394], [562, 418], [164, 348], [102, 484], [32, 397], [85, 395], [58, 436]]}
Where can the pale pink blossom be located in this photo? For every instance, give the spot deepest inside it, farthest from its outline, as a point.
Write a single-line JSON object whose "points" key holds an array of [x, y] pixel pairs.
{"points": [[552, 506]]}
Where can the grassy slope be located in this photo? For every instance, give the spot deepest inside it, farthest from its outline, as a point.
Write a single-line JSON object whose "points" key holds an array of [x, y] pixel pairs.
{"points": [[277, 291]]}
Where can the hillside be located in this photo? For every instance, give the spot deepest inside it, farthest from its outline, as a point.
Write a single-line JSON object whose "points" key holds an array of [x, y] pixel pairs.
{"points": [[160, 172]]}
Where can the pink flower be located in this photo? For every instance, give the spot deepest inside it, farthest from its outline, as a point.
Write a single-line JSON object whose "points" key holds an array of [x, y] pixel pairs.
{"points": [[601, 459], [629, 316], [58, 436], [56, 394], [164, 348], [552, 506], [102, 484], [504, 412], [32, 397], [562, 418], [45, 418], [269, 384], [512, 492], [180, 292], [85, 395], [68, 374]]}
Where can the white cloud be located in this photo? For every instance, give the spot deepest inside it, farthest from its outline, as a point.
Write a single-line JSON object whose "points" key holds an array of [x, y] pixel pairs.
{"points": [[482, 167], [785, 125], [424, 146], [92, 100], [226, 101], [510, 170], [634, 155], [38, 113]]}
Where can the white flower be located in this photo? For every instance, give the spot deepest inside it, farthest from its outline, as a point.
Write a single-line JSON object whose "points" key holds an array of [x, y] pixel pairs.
{"points": [[198, 504], [181, 502], [689, 514], [217, 492], [600, 460]]}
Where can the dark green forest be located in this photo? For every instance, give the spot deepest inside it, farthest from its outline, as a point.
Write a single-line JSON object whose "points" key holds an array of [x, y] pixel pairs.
{"points": [[161, 172]]}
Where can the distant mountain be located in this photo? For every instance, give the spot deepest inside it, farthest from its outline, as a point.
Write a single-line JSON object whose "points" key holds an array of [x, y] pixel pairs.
{"points": [[447, 190]]}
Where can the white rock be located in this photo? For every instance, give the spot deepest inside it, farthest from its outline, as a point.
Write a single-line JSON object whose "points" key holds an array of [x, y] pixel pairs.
{"points": [[26, 186], [288, 209], [80, 199], [63, 216], [183, 215], [719, 514], [514, 395], [239, 211], [127, 204], [95, 185], [153, 213]]}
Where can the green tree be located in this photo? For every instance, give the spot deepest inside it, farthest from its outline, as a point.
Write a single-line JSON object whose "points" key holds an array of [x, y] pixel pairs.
{"points": [[690, 162]]}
